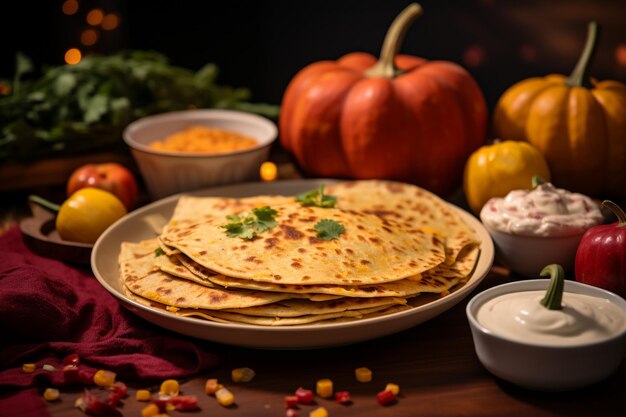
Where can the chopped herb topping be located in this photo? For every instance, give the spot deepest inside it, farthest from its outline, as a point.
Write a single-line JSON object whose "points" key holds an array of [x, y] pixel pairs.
{"points": [[158, 252], [247, 226], [328, 229], [316, 198]]}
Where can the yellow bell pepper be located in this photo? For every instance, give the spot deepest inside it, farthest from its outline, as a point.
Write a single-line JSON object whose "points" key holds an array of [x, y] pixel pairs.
{"points": [[494, 170], [87, 213]]}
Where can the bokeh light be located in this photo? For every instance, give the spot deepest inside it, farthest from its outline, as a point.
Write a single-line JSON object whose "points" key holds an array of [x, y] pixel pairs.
{"points": [[474, 56], [70, 7], [89, 37], [73, 56], [620, 55], [94, 17], [528, 53], [268, 171], [110, 21]]}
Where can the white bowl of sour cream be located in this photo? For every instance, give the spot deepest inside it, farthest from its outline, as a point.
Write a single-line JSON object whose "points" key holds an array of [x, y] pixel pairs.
{"points": [[534, 228], [519, 340]]}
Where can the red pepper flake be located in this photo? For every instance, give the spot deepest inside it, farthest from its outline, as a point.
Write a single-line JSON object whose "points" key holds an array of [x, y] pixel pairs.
{"points": [[342, 397], [291, 401], [385, 397], [71, 375], [179, 402], [117, 391], [72, 359], [91, 404], [305, 396]]}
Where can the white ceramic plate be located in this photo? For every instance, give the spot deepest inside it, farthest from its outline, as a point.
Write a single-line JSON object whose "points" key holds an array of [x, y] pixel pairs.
{"points": [[145, 222]]}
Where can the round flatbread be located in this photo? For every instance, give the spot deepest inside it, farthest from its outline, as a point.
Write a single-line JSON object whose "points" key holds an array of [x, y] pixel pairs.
{"points": [[410, 205], [371, 250]]}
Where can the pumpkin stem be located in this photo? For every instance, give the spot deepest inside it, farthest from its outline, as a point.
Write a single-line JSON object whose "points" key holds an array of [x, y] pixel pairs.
{"points": [[554, 294], [580, 75], [621, 217], [385, 66]]}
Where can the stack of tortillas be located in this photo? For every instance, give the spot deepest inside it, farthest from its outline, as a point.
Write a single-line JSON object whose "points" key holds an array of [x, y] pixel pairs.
{"points": [[398, 243]]}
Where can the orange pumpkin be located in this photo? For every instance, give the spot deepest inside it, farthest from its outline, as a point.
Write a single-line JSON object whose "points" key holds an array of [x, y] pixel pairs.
{"points": [[577, 123], [401, 117]]}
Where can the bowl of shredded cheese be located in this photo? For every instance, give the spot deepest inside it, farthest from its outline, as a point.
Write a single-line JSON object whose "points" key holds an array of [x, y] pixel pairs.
{"points": [[193, 149]]}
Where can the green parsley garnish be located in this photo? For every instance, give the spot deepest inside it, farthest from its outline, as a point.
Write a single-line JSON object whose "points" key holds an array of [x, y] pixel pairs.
{"points": [[328, 229], [158, 252], [246, 227], [316, 198]]}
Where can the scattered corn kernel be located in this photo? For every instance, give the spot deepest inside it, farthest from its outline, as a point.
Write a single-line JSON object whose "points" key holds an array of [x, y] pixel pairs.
{"points": [[319, 412], [104, 378], [170, 387], [363, 374], [242, 374], [143, 395], [51, 394], [212, 386], [150, 411], [224, 397], [393, 388], [29, 367], [49, 368], [324, 388]]}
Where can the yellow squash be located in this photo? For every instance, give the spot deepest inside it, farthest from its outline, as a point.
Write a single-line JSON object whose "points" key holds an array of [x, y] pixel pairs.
{"points": [[577, 123], [494, 170], [87, 213]]}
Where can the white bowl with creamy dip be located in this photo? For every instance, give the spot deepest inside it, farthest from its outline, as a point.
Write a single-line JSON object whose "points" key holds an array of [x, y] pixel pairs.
{"points": [[534, 228], [519, 340]]}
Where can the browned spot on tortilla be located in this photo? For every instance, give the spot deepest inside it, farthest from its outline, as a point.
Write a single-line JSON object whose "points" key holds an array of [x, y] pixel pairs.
{"points": [[202, 252], [301, 250], [291, 232], [216, 297], [253, 259], [180, 299], [277, 277], [375, 240], [271, 242], [304, 278], [365, 262], [313, 240], [296, 265]]}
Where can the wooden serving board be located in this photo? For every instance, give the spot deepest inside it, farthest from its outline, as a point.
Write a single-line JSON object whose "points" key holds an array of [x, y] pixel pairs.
{"points": [[41, 237]]}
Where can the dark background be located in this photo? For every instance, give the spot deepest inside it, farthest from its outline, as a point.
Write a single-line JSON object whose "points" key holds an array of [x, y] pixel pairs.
{"points": [[262, 44]]}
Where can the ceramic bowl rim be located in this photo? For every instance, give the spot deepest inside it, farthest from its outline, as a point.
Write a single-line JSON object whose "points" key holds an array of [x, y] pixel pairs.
{"points": [[200, 114]]}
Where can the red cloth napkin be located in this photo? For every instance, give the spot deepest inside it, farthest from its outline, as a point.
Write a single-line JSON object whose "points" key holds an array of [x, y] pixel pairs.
{"points": [[49, 310]]}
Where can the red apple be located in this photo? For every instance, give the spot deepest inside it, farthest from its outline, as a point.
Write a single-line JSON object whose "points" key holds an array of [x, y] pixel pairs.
{"points": [[601, 255], [109, 176]]}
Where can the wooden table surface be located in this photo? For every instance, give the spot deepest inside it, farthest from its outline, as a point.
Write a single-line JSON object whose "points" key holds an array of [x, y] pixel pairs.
{"points": [[434, 364]]}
